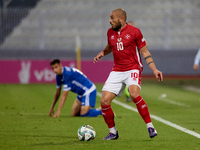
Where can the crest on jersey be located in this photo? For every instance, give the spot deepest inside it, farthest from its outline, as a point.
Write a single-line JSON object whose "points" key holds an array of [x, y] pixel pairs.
{"points": [[127, 36], [143, 40], [112, 37], [119, 39]]}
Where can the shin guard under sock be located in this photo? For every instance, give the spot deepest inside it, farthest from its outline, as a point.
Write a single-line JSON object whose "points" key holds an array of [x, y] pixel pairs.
{"points": [[108, 115], [142, 109]]}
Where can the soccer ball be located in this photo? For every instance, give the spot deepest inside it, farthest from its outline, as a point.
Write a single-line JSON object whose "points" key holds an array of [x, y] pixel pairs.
{"points": [[86, 133]]}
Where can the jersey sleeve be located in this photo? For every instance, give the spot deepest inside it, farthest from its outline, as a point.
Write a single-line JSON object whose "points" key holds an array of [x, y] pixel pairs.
{"points": [[140, 41], [108, 34], [66, 88], [58, 82], [197, 58]]}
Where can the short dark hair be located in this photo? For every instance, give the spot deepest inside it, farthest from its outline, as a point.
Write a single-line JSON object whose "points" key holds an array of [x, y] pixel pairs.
{"points": [[55, 61]]}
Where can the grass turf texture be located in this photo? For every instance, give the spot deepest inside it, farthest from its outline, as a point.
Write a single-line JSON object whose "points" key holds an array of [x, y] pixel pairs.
{"points": [[25, 123]]}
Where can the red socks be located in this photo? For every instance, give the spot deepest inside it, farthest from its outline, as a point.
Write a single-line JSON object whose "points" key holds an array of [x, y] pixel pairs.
{"points": [[108, 115], [142, 109]]}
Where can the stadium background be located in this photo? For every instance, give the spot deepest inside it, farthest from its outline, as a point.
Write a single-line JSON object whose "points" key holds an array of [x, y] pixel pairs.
{"points": [[34, 32]]}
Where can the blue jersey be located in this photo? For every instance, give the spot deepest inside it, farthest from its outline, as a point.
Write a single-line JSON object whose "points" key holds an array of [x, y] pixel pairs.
{"points": [[73, 80]]}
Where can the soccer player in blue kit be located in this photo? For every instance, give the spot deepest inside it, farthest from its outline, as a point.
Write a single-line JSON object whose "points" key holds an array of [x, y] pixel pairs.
{"points": [[74, 80]]}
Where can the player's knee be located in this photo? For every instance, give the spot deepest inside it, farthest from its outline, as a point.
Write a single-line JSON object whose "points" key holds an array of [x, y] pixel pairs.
{"points": [[84, 114], [134, 94], [107, 97], [73, 115], [104, 101]]}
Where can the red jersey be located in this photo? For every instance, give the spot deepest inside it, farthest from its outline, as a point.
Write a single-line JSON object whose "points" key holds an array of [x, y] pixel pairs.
{"points": [[125, 45]]}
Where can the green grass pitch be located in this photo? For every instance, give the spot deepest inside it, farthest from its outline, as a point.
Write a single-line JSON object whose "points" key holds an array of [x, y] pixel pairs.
{"points": [[25, 123]]}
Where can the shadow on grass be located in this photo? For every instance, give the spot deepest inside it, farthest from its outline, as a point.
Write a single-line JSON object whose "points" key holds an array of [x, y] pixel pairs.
{"points": [[73, 140], [49, 136]]}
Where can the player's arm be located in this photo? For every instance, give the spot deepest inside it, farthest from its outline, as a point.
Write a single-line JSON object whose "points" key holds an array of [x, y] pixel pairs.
{"points": [[149, 60], [56, 96], [104, 52], [62, 101], [196, 61]]}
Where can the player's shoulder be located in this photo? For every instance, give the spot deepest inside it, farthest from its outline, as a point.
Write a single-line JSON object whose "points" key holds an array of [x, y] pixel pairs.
{"points": [[67, 70], [135, 31], [133, 28]]}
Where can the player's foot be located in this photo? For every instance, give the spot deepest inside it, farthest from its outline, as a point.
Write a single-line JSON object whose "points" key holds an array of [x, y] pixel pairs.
{"points": [[111, 136], [128, 99], [152, 132]]}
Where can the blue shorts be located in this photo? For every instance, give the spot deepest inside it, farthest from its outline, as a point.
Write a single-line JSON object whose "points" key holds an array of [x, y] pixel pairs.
{"points": [[88, 99]]}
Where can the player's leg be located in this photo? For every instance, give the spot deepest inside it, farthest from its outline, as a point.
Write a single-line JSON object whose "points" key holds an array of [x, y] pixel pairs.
{"points": [[134, 90], [128, 97], [142, 109], [88, 101], [107, 111], [140, 103], [76, 108], [87, 111], [108, 114], [84, 111], [113, 87]]}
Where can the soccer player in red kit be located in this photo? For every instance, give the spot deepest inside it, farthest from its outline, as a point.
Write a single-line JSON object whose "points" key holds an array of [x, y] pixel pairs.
{"points": [[127, 43]]}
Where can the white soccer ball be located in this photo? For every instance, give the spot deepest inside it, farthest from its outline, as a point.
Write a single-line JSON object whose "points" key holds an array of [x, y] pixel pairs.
{"points": [[86, 133]]}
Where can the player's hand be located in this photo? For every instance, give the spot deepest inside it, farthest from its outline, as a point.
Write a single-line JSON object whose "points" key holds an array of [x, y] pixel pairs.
{"points": [[158, 75], [101, 54], [51, 112], [196, 67], [56, 114]]}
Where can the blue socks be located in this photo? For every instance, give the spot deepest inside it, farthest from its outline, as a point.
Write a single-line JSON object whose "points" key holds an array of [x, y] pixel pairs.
{"points": [[92, 113]]}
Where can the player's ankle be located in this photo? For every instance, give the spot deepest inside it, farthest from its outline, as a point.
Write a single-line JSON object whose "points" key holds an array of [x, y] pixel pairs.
{"points": [[150, 125], [113, 130]]}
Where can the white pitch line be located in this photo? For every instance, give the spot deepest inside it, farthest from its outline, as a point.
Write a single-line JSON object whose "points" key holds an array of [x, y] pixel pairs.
{"points": [[173, 102], [163, 98], [192, 88], [156, 118]]}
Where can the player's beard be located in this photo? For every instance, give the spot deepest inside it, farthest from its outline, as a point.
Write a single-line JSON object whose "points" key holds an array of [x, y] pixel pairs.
{"points": [[117, 27]]}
